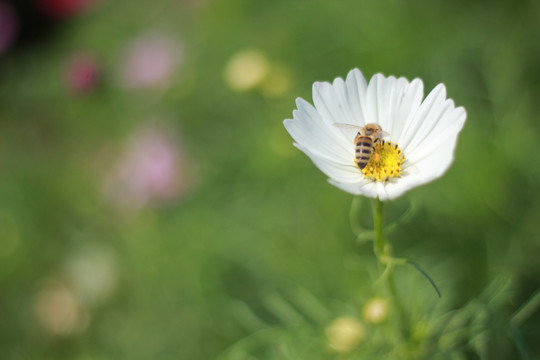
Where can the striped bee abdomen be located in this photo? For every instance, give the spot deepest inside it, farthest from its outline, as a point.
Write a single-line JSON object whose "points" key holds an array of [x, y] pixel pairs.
{"points": [[364, 146]]}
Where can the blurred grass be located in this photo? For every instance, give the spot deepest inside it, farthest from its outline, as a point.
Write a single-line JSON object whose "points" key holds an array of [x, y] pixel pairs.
{"points": [[261, 226]]}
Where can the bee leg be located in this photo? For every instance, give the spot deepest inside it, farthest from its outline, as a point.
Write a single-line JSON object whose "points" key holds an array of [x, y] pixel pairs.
{"points": [[376, 158]]}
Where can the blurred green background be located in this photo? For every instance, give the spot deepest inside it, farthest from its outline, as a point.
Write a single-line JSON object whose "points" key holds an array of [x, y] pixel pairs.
{"points": [[152, 205]]}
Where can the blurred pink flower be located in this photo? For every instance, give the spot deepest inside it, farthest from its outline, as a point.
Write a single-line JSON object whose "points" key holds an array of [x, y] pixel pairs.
{"points": [[64, 8], [82, 74], [150, 61], [9, 26], [151, 170]]}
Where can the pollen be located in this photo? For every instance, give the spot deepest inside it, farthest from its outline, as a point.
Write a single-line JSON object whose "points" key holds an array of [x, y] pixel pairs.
{"points": [[385, 162]]}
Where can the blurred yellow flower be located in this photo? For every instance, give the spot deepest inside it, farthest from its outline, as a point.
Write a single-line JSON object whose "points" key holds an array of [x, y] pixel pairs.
{"points": [[277, 82], [246, 70], [375, 311], [344, 334], [58, 310]]}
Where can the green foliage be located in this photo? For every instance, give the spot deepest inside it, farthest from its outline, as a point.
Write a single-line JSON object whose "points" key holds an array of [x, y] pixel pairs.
{"points": [[256, 257]]}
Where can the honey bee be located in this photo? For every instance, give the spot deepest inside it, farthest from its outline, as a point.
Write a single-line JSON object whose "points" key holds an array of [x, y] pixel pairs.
{"points": [[365, 140]]}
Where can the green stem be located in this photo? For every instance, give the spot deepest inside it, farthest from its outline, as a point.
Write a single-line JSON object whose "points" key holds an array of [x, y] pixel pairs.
{"points": [[384, 257], [379, 243]]}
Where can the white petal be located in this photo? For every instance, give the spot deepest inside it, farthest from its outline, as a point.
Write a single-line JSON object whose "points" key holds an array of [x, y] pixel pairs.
{"points": [[331, 102], [421, 123], [326, 103], [372, 100], [356, 88], [363, 187], [336, 170], [394, 189], [382, 194], [406, 104], [431, 146], [432, 159], [342, 101], [391, 102], [310, 132], [381, 100], [437, 159], [448, 126]]}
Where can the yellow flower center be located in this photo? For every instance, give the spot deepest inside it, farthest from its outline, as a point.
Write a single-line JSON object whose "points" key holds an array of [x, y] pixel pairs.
{"points": [[385, 162]]}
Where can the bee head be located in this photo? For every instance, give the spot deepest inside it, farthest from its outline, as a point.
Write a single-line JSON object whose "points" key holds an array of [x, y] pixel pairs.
{"points": [[372, 129]]}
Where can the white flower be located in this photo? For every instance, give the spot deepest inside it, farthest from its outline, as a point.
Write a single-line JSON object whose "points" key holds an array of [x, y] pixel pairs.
{"points": [[422, 133]]}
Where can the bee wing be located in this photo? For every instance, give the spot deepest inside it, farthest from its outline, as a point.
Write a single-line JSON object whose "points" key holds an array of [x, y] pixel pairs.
{"points": [[349, 128]]}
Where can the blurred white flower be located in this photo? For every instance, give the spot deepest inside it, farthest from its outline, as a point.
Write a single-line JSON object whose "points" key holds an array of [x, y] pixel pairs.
{"points": [[420, 141], [92, 272], [152, 169], [150, 61], [344, 334]]}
